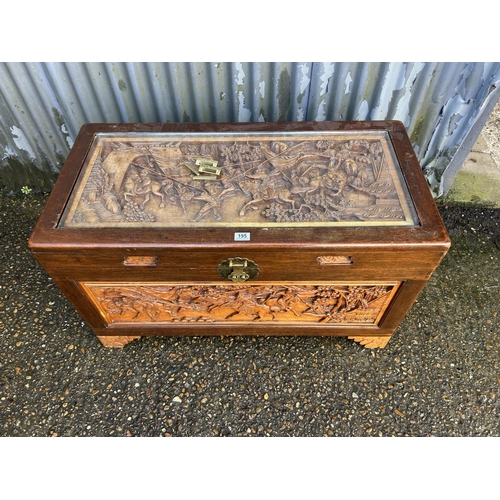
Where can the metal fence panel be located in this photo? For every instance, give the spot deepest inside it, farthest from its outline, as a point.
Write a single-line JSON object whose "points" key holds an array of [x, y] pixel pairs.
{"points": [[44, 104]]}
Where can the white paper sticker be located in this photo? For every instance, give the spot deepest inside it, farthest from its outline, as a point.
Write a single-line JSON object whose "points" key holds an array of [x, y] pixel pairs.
{"points": [[241, 236]]}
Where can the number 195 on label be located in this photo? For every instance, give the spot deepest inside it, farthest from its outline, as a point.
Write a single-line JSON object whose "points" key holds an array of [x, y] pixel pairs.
{"points": [[241, 236]]}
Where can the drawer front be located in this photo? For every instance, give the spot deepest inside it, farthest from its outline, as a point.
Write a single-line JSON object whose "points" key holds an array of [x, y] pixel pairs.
{"points": [[302, 265], [164, 303]]}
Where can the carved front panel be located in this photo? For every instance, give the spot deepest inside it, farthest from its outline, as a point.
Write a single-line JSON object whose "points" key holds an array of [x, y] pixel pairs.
{"points": [[162, 303], [240, 179]]}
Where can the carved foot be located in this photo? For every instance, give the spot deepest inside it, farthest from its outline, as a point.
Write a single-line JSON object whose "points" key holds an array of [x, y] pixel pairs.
{"points": [[115, 340], [371, 342]]}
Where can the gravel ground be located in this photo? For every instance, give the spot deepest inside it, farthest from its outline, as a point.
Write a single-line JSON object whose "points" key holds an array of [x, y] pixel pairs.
{"points": [[438, 376]]}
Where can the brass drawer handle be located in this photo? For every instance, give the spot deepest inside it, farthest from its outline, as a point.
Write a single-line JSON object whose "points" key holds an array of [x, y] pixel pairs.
{"points": [[238, 269], [335, 260], [140, 260]]}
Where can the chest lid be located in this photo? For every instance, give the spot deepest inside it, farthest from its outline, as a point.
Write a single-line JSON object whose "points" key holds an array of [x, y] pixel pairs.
{"points": [[267, 185], [240, 179]]}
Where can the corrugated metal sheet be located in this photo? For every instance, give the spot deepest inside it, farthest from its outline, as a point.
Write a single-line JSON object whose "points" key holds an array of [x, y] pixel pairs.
{"points": [[43, 105]]}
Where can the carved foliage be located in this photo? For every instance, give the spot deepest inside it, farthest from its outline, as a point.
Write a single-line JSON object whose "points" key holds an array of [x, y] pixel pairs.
{"points": [[289, 304], [331, 180]]}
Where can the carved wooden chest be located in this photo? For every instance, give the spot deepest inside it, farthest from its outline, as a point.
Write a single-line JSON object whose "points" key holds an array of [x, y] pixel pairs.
{"points": [[312, 228]]}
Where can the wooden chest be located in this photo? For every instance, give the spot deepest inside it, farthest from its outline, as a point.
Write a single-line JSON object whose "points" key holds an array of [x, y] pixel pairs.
{"points": [[311, 228]]}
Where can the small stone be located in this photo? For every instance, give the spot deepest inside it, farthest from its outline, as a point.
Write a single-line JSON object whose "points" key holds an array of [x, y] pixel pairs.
{"points": [[177, 399]]}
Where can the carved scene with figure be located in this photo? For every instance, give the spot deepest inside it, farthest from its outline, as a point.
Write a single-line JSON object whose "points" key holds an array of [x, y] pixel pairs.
{"points": [[315, 179], [288, 304], [287, 228]]}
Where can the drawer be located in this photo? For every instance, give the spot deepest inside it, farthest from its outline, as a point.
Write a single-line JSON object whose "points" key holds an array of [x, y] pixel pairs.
{"points": [[195, 266]]}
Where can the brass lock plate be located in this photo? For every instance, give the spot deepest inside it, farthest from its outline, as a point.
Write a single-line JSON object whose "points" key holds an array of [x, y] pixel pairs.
{"points": [[238, 269]]}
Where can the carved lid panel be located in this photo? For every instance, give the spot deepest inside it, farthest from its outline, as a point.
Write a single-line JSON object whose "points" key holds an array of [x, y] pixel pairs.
{"points": [[247, 179]]}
